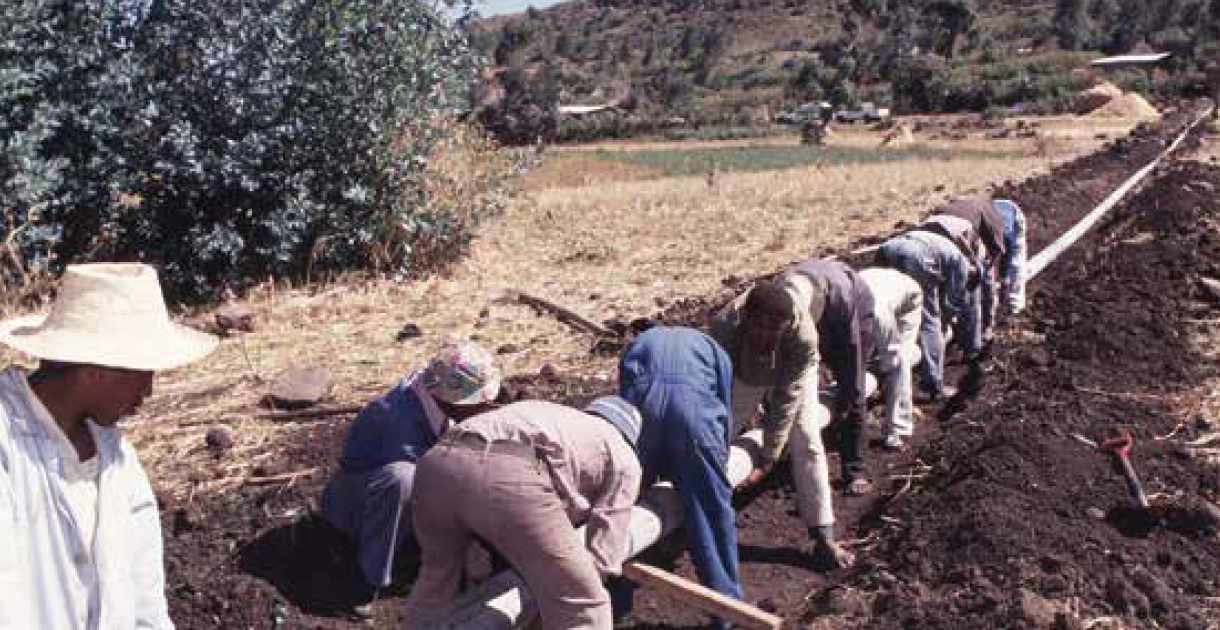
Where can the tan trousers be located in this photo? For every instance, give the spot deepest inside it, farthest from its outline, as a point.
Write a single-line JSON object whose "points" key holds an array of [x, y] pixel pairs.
{"points": [[510, 502], [810, 469]]}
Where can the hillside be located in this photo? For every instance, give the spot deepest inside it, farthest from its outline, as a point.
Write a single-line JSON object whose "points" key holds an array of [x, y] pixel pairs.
{"points": [[738, 60]]}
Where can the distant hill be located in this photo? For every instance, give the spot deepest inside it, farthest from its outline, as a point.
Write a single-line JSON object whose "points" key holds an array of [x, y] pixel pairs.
{"points": [[737, 60]]}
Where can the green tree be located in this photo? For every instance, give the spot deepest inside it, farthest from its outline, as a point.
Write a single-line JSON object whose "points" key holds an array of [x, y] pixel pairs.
{"points": [[1072, 24], [228, 139], [528, 112], [949, 21]]}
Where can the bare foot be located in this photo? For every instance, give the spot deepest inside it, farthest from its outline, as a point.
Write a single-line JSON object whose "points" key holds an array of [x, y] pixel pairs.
{"points": [[831, 556], [858, 487]]}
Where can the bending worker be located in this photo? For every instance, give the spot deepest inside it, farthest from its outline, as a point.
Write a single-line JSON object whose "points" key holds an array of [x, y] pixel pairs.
{"points": [[776, 335], [521, 478], [943, 273], [898, 307], [681, 381], [1013, 265], [987, 221], [962, 233], [369, 498]]}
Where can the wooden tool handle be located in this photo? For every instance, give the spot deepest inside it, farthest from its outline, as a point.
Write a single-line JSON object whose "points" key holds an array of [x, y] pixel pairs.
{"points": [[1133, 482], [704, 598]]}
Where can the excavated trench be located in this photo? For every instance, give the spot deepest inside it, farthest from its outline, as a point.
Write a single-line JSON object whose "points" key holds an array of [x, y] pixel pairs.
{"points": [[993, 514]]}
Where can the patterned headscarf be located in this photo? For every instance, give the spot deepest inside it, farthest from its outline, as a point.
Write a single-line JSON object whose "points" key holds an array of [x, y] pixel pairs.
{"points": [[462, 374]]}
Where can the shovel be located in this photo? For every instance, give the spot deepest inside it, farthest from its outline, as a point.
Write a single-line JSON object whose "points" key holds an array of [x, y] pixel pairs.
{"points": [[1120, 446]]}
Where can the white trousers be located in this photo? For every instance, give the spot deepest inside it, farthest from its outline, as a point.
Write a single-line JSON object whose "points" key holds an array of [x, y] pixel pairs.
{"points": [[899, 314], [898, 354]]}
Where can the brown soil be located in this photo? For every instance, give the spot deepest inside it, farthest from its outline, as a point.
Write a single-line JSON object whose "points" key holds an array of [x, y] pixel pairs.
{"points": [[1018, 524], [1002, 506]]}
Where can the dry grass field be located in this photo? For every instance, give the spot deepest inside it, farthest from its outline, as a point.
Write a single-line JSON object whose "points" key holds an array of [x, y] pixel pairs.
{"points": [[599, 236]]}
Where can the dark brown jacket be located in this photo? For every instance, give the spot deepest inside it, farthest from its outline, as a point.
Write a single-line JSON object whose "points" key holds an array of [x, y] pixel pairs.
{"points": [[986, 219]]}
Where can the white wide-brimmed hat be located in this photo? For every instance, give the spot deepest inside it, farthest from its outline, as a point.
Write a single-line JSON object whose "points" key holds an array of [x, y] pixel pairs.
{"points": [[110, 314]]}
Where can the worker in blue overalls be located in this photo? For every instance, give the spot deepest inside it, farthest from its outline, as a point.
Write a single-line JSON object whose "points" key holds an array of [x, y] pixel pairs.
{"points": [[681, 380]]}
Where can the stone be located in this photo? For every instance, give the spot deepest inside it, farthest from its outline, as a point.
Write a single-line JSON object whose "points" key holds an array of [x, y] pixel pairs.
{"points": [[1038, 357], [1036, 610], [297, 388], [1096, 514], [234, 317], [409, 331], [507, 348], [1211, 288], [219, 439]]}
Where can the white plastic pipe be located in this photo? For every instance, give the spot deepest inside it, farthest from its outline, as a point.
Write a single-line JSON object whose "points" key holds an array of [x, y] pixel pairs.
{"points": [[1069, 238], [1047, 256]]}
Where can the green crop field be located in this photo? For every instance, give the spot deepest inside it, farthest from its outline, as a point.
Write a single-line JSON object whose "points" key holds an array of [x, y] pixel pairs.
{"points": [[678, 162]]}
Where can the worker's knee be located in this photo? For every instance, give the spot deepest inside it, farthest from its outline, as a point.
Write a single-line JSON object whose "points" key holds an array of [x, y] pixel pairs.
{"points": [[807, 439]]}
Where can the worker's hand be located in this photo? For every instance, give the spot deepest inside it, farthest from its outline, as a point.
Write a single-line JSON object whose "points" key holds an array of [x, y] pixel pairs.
{"points": [[831, 555], [756, 476]]}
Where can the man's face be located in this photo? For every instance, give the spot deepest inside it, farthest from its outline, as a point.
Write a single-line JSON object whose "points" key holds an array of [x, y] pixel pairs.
{"points": [[116, 392]]}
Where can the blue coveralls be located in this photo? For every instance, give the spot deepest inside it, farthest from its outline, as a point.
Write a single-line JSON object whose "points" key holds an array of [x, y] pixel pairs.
{"points": [[681, 380], [1012, 267]]}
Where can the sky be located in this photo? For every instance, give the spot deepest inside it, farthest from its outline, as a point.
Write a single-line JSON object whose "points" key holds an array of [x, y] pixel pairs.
{"points": [[496, 7]]}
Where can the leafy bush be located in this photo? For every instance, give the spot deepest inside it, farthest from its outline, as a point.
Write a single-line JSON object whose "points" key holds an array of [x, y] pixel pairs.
{"points": [[227, 140]]}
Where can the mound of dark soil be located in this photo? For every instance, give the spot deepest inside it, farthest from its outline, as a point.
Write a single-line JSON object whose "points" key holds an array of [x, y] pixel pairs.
{"points": [[1020, 525]]}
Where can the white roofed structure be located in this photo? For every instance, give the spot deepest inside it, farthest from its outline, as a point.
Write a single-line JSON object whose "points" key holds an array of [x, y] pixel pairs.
{"points": [[1120, 61]]}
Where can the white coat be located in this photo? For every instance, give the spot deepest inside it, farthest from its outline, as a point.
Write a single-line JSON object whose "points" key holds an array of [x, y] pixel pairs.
{"points": [[42, 550]]}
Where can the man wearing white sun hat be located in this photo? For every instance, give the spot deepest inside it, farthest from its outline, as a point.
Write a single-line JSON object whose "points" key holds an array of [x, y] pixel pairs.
{"points": [[80, 535]]}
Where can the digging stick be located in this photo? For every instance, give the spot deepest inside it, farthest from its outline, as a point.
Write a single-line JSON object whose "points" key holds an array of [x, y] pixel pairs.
{"points": [[562, 314], [703, 598], [319, 412], [259, 481], [1133, 482]]}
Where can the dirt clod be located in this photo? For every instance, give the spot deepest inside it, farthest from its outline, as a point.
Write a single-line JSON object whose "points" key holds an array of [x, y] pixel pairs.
{"points": [[1034, 610], [407, 332], [219, 439]]}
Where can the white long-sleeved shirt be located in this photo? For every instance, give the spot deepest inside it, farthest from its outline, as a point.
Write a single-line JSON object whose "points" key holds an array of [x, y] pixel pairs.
{"points": [[51, 574]]}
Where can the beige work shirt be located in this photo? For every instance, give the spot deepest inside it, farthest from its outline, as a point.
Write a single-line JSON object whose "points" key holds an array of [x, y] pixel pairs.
{"points": [[595, 471]]}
